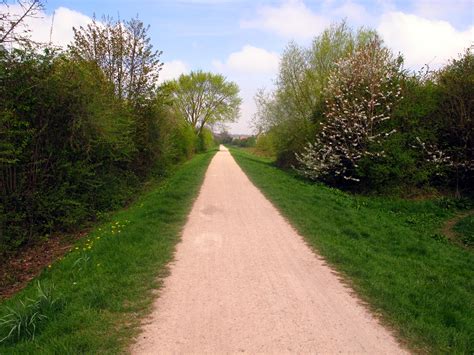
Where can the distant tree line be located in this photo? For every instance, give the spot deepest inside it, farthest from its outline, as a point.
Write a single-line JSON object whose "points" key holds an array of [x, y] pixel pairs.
{"points": [[347, 113], [225, 137], [82, 128]]}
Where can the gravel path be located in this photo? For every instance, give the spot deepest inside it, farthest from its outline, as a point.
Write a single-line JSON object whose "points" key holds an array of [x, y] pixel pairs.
{"points": [[243, 280]]}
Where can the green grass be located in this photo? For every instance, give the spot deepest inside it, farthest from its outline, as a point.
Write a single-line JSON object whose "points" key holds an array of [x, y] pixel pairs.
{"points": [[389, 250], [92, 300], [465, 229]]}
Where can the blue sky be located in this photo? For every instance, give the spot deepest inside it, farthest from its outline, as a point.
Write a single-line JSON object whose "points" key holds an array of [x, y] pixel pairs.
{"points": [[243, 39]]}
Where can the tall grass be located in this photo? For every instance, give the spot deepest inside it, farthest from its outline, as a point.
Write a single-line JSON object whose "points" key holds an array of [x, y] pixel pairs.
{"points": [[24, 318]]}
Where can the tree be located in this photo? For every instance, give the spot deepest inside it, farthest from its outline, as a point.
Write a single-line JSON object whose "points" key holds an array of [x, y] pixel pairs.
{"points": [[454, 149], [12, 28], [361, 93], [294, 109], [124, 52], [204, 99]]}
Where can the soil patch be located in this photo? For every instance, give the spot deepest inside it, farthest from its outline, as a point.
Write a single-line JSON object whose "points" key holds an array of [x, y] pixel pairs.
{"points": [[20, 267]]}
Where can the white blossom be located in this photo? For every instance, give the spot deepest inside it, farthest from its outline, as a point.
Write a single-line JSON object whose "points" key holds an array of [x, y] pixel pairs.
{"points": [[361, 92]]}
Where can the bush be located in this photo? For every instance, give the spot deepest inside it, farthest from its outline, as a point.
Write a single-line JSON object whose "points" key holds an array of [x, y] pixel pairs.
{"points": [[361, 93], [295, 109], [206, 140], [185, 142], [455, 137], [247, 142], [403, 166], [70, 148], [265, 144]]}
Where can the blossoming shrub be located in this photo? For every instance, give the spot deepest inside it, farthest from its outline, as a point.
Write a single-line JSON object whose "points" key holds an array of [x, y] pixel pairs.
{"points": [[360, 95]]}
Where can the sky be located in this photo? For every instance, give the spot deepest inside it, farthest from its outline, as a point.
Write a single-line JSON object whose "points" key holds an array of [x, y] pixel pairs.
{"points": [[243, 39]]}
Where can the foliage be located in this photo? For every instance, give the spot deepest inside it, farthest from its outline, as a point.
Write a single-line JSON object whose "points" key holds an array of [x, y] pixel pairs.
{"points": [[81, 130], [223, 137], [456, 112], [206, 140], [185, 141], [107, 281], [246, 142], [403, 169], [70, 140], [361, 93], [465, 228], [417, 138], [265, 144], [294, 110], [204, 99], [12, 27], [390, 249], [124, 53]]}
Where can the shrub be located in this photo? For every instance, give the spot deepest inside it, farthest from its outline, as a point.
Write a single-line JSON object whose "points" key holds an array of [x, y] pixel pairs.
{"points": [[70, 148], [206, 140], [455, 138], [185, 141], [265, 144], [361, 93], [294, 110]]}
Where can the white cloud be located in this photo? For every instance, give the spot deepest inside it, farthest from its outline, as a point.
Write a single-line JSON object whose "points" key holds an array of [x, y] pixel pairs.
{"points": [[355, 13], [40, 25], [64, 20], [251, 60], [292, 19], [207, 2], [424, 35], [172, 70], [247, 110], [442, 9], [251, 68], [423, 41]]}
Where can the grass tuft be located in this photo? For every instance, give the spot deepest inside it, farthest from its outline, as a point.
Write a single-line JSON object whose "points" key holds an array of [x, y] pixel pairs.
{"points": [[24, 318]]}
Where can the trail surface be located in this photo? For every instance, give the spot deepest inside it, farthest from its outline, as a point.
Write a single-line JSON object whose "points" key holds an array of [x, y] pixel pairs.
{"points": [[243, 280]]}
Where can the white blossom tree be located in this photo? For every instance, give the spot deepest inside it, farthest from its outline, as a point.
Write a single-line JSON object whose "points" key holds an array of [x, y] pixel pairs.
{"points": [[360, 95]]}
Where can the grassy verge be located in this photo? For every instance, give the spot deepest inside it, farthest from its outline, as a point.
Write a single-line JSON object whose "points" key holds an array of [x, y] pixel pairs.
{"points": [[465, 228], [390, 250], [92, 300]]}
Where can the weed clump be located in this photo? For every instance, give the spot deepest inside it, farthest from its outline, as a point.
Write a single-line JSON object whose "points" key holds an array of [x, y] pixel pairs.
{"points": [[24, 319]]}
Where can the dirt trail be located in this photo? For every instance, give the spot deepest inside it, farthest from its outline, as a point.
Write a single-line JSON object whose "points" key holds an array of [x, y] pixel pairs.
{"points": [[244, 281]]}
